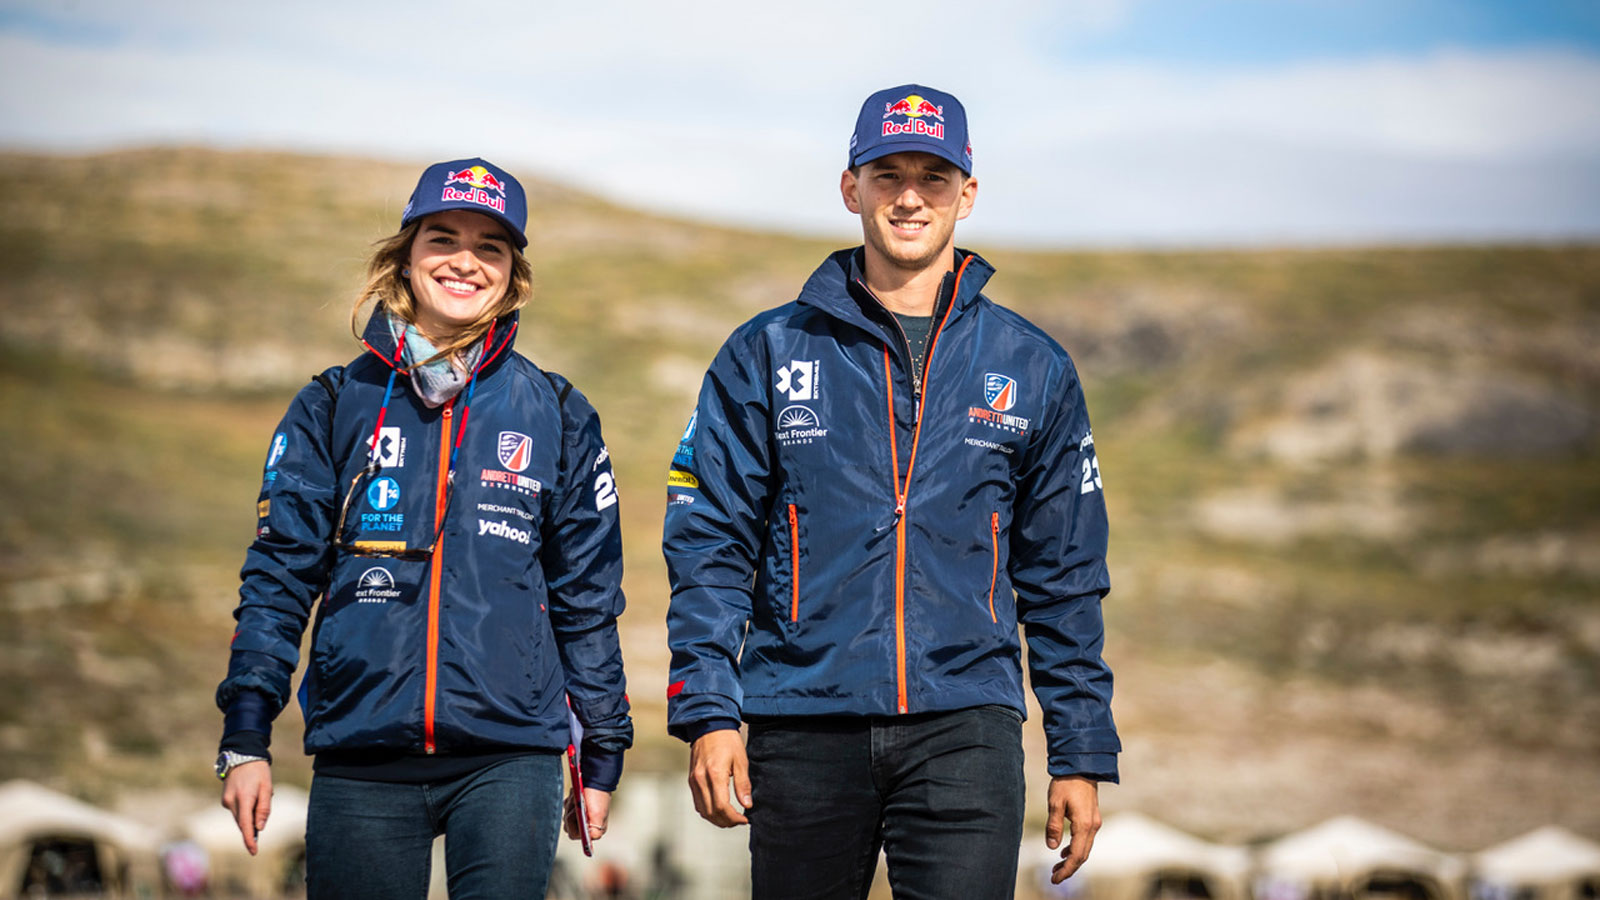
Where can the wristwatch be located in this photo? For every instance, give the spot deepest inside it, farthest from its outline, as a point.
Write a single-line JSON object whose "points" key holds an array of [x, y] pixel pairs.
{"points": [[228, 760]]}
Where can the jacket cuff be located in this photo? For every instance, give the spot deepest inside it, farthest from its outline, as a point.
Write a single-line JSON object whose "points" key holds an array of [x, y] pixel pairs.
{"points": [[248, 710], [693, 731], [250, 743], [1094, 766], [601, 771], [254, 671]]}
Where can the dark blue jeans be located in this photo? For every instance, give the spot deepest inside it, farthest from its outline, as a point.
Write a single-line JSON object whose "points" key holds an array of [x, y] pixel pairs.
{"points": [[940, 793], [373, 839]]}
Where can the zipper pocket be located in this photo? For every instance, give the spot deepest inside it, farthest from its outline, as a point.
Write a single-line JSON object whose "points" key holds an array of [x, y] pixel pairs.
{"points": [[994, 575], [794, 564]]}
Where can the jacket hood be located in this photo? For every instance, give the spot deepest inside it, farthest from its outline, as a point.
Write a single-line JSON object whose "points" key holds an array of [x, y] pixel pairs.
{"points": [[839, 286], [379, 340]]}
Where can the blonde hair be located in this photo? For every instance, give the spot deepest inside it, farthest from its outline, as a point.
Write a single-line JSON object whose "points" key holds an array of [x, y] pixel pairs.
{"points": [[390, 291]]}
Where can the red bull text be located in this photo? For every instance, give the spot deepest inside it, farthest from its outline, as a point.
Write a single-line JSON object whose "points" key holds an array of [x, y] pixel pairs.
{"points": [[915, 126], [475, 195], [915, 109], [480, 182]]}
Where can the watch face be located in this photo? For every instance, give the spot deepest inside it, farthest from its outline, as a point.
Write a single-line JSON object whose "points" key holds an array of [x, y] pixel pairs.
{"points": [[222, 765]]}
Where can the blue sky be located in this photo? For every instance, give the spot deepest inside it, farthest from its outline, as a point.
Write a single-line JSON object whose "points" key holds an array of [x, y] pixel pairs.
{"points": [[1095, 122], [1268, 32]]}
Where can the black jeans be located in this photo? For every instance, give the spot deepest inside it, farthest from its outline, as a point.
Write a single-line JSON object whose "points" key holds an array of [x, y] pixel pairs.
{"points": [[940, 793]]}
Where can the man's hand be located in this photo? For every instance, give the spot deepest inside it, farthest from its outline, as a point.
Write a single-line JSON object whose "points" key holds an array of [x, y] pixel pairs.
{"points": [[247, 793], [598, 804], [714, 758], [1076, 801]]}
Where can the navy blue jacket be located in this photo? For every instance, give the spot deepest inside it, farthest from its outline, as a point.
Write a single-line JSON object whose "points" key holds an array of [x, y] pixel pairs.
{"points": [[472, 651], [847, 536]]}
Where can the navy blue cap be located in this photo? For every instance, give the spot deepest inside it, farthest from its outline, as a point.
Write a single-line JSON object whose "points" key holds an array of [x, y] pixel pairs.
{"points": [[473, 184], [911, 117]]}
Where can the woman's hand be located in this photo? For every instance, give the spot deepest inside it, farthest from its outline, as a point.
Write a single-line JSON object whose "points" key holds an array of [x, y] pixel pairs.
{"points": [[599, 806], [247, 793]]}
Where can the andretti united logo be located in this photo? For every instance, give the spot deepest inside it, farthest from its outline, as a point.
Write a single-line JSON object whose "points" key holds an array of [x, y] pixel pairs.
{"points": [[1000, 392], [799, 425], [516, 450]]}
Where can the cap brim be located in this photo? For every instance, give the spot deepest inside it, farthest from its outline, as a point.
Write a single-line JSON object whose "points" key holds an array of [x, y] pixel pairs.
{"points": [[910, 145], [520, 239]]}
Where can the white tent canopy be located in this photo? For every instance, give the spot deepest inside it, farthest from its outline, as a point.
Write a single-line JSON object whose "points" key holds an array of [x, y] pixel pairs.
{"points": [[1551, 853], [30, 812], [1132, 842], [1135, 857], [1346, 846]]}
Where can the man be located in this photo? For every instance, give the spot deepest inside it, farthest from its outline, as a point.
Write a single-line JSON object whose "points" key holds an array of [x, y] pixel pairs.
{"points": [[881, 479]]}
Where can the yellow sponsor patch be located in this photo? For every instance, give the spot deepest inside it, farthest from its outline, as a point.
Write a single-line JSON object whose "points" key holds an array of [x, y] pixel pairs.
{"points": [[263, 508], [679, 479], [389, 546]]}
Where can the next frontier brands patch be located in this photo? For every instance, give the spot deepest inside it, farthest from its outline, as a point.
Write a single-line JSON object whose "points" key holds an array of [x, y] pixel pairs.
{"points": [[1000, 420], [376, 585], [510, 481], [799, 425]]}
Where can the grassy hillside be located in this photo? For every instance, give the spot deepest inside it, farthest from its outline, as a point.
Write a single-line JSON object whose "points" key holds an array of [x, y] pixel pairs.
{"points": [[1355, 493]]}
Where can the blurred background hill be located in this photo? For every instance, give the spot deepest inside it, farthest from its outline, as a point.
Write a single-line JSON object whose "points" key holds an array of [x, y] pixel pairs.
{"points": [[1355, 493]]}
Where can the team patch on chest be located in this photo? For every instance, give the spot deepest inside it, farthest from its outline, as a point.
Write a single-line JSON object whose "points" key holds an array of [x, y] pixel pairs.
{"points": [[1000, 395], [515, 451], [797, 422]]}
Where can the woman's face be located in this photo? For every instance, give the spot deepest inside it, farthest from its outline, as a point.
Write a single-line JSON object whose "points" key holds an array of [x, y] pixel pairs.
{"points": [[460, 266]]}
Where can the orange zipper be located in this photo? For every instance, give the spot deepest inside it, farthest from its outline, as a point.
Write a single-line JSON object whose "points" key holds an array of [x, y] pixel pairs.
{"points": [[794, 563], [994, 535], [436, 565], [901, 491], [899, 544]]}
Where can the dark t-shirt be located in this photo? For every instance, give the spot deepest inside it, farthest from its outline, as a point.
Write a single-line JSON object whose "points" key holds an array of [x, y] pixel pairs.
{"points": [[917, 329]]}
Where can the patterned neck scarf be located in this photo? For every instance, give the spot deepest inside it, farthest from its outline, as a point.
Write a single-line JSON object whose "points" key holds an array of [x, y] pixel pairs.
{"points": [[440, 380]]}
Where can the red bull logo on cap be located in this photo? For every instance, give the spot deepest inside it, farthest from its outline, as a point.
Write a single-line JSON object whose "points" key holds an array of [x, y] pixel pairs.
{"points": [[917, 111], [482, 186], [477, 176]]}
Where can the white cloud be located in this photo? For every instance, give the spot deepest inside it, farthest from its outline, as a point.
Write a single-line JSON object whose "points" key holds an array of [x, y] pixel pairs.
{"points": [[742, 111]]}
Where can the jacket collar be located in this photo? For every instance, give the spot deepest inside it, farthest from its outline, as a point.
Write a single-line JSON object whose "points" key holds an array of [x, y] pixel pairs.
{"points": [[379, 340], [839, 287]]}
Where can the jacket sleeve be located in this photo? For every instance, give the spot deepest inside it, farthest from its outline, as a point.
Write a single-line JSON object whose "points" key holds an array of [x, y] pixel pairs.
{"points": [[582, 560], [285, 569], [1058, 567], [718, 492]]}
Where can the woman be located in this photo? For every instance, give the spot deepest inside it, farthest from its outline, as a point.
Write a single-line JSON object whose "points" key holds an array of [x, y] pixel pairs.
{"points": [[454, 507]]}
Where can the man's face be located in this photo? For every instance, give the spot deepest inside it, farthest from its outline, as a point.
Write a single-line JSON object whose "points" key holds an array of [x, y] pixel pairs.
{"points": [[909, 204]]}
